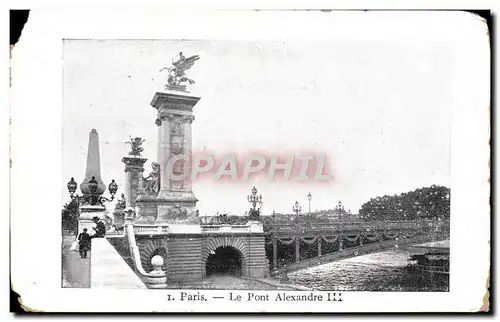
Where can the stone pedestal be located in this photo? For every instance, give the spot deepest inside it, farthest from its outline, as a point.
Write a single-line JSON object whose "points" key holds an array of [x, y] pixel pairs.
{"points": [[147, 208], [118, 218], [255, 226], [87, 212], [134, 168], [176, 202]]}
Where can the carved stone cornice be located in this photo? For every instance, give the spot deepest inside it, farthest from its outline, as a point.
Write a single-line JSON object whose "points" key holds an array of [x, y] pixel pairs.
{"points": [[172, 101], [134, 169], [174, 104], [134, 163]]}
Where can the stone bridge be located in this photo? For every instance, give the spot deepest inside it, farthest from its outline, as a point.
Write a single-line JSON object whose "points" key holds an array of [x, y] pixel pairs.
{"points": [[296, 246], [248, 250], [188, 255]]}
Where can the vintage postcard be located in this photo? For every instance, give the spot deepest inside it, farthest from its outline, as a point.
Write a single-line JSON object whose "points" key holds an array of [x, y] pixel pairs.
{"points": [[245, 161]]}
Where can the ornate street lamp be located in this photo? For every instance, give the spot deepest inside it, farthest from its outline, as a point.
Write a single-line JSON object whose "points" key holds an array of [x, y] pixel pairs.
{"points": [[254, 199], [309, 198], [72, 185], [94, 197], [339, 209], [297, 208]]}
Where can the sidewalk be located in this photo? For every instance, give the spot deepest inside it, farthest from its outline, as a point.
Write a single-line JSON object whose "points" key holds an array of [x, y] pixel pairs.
{"points": [[109, 269], [75, 270]]}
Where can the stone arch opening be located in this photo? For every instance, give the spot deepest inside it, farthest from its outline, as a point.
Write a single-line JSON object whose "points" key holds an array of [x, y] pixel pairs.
{"points": [[158, 251], [224, 260]]}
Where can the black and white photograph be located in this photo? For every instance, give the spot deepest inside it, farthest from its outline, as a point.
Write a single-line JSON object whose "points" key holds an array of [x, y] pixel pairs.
{"points": [[374, 218], [269, 171]]}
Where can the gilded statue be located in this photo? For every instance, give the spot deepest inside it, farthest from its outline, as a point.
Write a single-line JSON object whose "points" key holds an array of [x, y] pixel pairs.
{"points": [[177, 71]]}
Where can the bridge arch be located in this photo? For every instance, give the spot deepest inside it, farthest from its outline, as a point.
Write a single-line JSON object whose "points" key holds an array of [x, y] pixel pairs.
{"points": [[213, 244]]}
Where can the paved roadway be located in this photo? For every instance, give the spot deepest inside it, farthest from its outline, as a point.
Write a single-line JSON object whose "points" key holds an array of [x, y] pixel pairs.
{"points": [[75, 270]]}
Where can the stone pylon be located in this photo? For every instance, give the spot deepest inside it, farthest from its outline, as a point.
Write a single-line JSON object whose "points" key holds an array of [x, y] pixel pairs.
{"points": [[93, 169], [176, 202], [134, 168]]}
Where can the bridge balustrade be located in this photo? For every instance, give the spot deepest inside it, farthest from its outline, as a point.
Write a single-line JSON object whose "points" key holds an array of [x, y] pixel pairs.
{"points": [[147, 229], [375, 225], [225, 228]]}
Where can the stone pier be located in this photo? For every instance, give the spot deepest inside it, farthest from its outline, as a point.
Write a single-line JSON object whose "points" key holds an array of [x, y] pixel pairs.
{"points": [[167, 223], [176, 200], [134, 168]]}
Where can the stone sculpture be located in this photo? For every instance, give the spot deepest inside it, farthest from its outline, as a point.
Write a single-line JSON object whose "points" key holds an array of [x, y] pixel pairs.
{"points": [[136, 145], [178, 213], [150, 185]]}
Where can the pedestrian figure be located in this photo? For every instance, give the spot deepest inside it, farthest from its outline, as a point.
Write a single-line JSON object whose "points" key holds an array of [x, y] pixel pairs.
{"points": [[100, 229], [84, 242]]}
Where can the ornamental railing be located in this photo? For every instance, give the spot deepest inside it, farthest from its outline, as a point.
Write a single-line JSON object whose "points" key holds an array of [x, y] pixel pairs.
{"points": [[148, 229], [380, 225], [151, 229], [155, 279], [225, 228]]}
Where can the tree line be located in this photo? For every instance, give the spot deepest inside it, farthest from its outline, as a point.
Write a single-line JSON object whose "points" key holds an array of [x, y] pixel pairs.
{"points": [[424, 203], [70, 214]]}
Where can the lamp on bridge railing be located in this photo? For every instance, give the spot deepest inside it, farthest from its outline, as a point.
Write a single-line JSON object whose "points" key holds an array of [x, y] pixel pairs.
{"points": [[254, 200], [94, 195], [309, 198], [339, 209], [297, 208]]}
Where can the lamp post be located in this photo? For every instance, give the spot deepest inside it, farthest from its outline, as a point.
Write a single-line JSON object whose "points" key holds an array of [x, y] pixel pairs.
{"points": [[94, 197], [297, 208], [309, 198], [254, 199], [339, 209]]}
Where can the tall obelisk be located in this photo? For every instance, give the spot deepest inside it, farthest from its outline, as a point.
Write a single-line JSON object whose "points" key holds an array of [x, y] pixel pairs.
{"points": [[87, 211]]}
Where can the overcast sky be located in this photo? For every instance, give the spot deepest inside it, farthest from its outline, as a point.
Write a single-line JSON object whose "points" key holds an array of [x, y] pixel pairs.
{"points": [[380, 111]]}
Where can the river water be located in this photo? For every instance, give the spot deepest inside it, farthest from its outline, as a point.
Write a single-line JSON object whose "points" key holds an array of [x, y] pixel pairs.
{"points": [[384, 271]]}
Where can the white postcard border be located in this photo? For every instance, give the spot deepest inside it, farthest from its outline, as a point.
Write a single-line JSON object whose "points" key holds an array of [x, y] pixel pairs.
{"points": [[36, 102]]}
